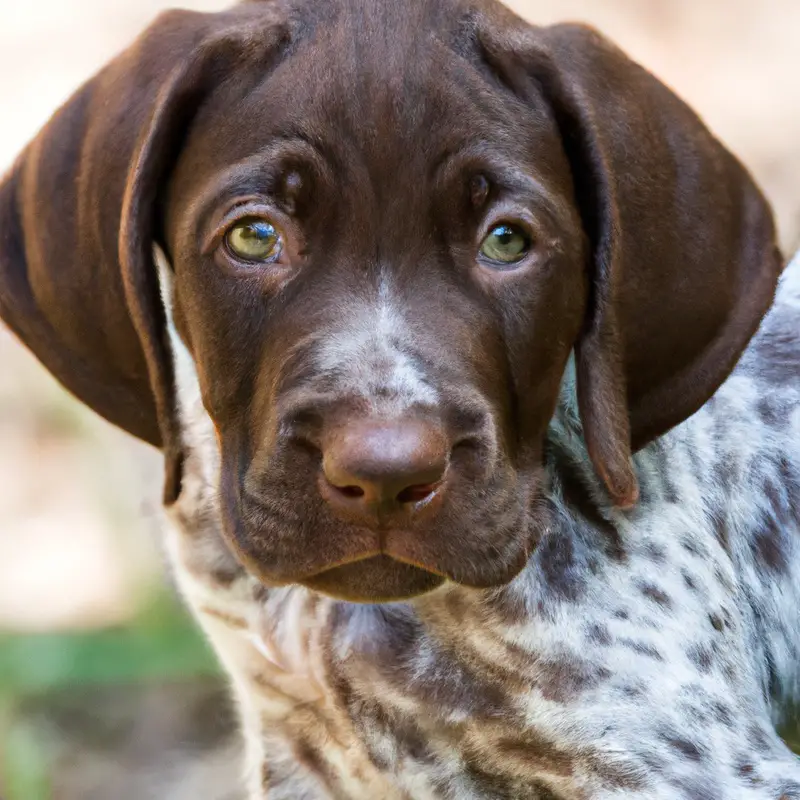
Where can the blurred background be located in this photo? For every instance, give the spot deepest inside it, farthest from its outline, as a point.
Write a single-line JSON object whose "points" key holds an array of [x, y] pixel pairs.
{"points": [[106, 690]]}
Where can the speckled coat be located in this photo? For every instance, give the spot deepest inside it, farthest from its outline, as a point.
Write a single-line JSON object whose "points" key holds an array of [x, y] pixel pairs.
{"points": [[640, 654]]}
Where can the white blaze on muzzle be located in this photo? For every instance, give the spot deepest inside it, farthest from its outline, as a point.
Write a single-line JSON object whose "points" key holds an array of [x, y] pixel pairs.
{"points": [[367, 352]]}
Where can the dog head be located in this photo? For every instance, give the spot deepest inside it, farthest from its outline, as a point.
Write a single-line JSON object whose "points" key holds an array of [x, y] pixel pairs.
{"points": [[388, 227]]}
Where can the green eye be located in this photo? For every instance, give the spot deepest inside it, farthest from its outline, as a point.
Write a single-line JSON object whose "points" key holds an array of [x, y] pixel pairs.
{"points": [[505, 244], [254, 240]]}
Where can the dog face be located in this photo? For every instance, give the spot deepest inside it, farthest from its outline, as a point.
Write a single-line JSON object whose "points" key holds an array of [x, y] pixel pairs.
{"points": [[388, 228], [382, 370]]}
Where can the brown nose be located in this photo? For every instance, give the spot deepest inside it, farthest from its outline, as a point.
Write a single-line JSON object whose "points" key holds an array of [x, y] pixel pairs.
{"points": [[388, 465]]}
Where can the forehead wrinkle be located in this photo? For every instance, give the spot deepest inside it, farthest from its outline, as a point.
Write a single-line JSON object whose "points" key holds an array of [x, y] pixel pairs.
{"points": [[243, 176], [375, 89]]}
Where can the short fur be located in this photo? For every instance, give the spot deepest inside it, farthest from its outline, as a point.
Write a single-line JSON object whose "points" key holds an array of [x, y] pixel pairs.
{"points": [[599, 600], [645, 654]]}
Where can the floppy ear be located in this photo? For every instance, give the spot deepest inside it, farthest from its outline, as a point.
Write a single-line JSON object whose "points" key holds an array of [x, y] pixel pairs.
{"points": [[79, 218], [683, 256]]}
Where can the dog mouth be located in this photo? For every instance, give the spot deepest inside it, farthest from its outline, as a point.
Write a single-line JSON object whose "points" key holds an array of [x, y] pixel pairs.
{"points": [[442, 532], [374, 576], [400, 564], [366, 566], [375, 579]]}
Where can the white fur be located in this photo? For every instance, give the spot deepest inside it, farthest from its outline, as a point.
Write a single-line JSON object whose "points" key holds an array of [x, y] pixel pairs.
{"points": [[628, 721], [363, 352]]}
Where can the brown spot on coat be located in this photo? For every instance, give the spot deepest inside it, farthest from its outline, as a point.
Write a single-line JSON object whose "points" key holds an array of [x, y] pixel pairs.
{"points": [[314, 761], [770, 548], [555, 557], [598, 634], [488, 783], [655, 552], [722, 714], [773, 413], [719, 523], [701, 657], [686, 748], [265, 776], [790, 790], [538, 754], [642, 648], [658, 596], [758, 739], [694, 548], [716, 622], [747, 772], [690, 581], [562, 681], [225, 576]]}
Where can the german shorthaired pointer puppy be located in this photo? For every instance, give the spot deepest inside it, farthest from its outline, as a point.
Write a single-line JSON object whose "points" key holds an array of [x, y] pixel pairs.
{"points": [[482, 443]]}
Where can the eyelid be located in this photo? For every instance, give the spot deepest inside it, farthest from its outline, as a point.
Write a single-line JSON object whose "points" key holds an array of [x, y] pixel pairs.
{"points": [[512, 216], [242, 209]]}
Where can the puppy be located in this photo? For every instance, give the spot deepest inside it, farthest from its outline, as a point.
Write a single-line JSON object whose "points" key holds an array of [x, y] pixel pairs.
{"points": [[399, 290]]}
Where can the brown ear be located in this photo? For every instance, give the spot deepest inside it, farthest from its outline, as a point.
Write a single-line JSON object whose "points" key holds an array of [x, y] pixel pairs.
{"points": [[78, 219], [683, 255]]}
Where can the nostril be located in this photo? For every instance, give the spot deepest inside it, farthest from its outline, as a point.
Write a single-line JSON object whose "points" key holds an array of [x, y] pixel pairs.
{"points": [[350, 491], [416, 494]]}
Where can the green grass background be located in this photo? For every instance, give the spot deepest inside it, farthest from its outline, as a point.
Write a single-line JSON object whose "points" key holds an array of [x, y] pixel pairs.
{"points": [[162, 643]]}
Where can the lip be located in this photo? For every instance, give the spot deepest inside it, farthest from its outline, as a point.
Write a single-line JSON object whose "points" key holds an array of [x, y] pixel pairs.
{"points": [[393, 567], [379, 579], [369, 555]]}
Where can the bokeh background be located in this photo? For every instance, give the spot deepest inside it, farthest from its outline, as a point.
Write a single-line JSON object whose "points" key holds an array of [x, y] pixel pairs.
{"points": [[106, 691]]}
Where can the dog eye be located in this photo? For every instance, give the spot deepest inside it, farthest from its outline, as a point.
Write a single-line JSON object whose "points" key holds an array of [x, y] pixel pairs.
{"points": [[505, 244], [254, 240]]}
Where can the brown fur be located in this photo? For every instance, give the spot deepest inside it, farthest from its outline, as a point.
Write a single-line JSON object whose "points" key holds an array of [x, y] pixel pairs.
{"points": [[654, 259]]}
